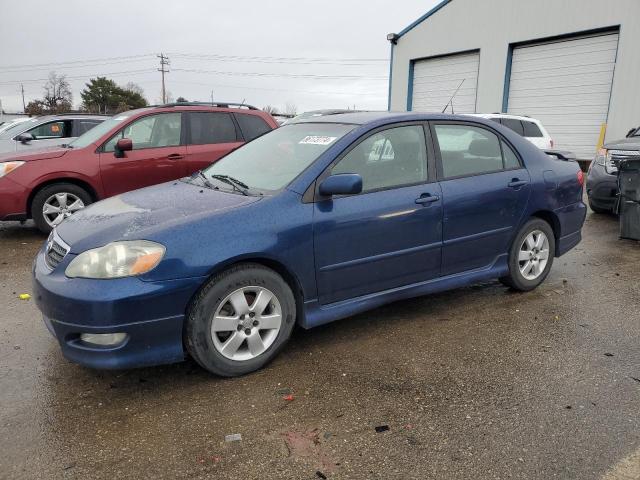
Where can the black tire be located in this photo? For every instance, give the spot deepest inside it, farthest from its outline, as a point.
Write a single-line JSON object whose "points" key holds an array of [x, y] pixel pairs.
{"points": [[41, 197], [515, 279], [598, 210], [198, 339]]}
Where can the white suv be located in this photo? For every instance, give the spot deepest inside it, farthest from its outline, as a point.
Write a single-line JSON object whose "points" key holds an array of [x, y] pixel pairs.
{"points": [[529, 128]]}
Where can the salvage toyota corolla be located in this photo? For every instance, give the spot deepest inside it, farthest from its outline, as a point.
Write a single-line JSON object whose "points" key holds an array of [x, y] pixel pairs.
{"points": [[310, 223]]}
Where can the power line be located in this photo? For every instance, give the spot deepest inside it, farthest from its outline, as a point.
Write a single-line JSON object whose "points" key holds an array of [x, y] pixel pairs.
{"points": [[289, 75], [358, 62], [3, 67], [78, 77]]}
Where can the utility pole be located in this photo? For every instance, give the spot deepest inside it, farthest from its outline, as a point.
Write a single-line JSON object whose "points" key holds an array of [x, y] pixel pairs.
{"points": [[24, 107], [164, 61]]}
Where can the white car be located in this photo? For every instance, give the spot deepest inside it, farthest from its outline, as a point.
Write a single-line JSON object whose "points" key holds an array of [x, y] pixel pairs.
{"points": [[527, 127]]}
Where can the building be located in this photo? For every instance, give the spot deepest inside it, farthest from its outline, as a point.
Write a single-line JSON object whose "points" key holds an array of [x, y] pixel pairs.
{"points": [[573, 64]]}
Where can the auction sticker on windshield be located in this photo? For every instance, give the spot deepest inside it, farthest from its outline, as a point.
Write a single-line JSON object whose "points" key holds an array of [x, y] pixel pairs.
{"points": [[316, 140]]}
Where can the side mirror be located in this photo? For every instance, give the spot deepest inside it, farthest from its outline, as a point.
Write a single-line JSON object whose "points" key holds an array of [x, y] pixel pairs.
{"points": [[123, 145], [341, 184], [25, 138]]}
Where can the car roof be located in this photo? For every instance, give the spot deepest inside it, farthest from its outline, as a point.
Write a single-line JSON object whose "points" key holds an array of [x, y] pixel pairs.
{"points": [[71, 116], [363, 118], [503, 115]]}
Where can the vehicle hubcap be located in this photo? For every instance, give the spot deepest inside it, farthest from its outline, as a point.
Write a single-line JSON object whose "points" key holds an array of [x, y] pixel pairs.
{"points": [[533, 255], [246, 323], [60, 206]]}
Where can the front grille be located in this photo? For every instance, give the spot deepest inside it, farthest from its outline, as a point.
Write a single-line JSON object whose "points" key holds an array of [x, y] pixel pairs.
{"points": [[55, 252], [618, 156]]}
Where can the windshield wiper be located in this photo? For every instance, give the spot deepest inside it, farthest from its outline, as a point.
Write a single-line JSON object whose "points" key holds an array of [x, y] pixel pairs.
{"points": [[205, 180], [237, 185]]}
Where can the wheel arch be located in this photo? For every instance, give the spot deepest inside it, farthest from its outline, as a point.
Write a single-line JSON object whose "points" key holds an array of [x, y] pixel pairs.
{"points": [[552, 219], [74, 181], [277, 266]]}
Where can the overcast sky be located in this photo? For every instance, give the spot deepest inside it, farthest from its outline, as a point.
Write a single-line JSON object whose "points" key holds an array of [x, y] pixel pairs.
{"points": [[298, 47]]}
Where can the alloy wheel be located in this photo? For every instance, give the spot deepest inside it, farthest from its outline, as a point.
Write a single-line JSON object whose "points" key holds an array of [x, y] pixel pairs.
{"points": [[60, 206], [533, 255], [246, 323]]}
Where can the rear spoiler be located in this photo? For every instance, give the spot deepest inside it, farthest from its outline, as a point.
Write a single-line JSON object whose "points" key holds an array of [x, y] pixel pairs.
{"points": [[561, 155]]}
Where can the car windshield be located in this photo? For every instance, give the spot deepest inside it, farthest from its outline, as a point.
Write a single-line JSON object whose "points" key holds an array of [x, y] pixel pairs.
{"points": [[273, 160], [11, 128], [98, 131]]}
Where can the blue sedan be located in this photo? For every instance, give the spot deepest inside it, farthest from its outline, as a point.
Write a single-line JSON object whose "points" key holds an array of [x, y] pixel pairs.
{"points": [[310, 223]]}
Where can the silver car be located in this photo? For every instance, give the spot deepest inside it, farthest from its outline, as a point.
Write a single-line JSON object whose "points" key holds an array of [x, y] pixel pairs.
{"points": [[46, 131]]}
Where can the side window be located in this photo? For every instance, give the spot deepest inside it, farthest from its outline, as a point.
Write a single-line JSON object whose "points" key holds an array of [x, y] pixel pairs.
{"points": [[531, 129], [467, 150], [510, 158], [252, 126], [209, 127], [83, 126], [513, 124], [49, 130], [154, 131], [387, 159]]}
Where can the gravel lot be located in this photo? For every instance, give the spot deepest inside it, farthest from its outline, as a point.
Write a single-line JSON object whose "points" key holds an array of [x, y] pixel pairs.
{"points": [[474, 383]]}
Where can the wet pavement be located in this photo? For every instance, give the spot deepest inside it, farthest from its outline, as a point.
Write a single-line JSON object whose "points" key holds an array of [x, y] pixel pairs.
{"points": [[475, 383]]}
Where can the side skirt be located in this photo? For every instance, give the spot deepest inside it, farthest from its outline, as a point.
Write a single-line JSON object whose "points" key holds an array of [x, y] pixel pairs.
{"points": [[316, 314]]}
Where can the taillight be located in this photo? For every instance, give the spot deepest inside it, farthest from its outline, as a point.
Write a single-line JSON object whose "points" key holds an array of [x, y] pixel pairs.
{"points": [[551, 143], [581, 177]]}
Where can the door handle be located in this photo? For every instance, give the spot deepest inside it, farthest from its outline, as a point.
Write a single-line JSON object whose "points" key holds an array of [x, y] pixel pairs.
{"points": [[517, 183], [175, 156], [427, 199]]}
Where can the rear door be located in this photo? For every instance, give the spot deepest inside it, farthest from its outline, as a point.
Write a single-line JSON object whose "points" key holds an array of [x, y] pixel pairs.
{"points": [[390, 234], [485, 190], [158, 154], [210, 136]]}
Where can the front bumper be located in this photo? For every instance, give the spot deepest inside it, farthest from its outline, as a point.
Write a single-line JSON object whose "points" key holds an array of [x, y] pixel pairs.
{"points": [[602, 187], [150, 313], [13, 200]]}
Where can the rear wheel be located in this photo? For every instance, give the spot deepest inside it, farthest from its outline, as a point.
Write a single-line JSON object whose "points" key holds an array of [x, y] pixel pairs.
{"points": [[531, 256], [54, 203], [240, 320]]}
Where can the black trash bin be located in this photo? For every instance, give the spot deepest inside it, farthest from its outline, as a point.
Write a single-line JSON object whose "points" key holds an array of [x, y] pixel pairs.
{"points": [[629, 198]]}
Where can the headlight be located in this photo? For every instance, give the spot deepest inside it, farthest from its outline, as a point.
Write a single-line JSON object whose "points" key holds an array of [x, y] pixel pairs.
{"points": [[117, 260], [6, 167], [603, 157]]}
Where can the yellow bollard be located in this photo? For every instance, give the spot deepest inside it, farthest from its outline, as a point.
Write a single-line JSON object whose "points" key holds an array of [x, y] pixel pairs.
{"points": [[603, 131]]}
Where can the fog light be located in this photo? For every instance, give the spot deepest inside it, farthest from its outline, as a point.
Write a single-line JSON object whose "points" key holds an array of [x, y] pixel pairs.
{"points": [[104, 339]]}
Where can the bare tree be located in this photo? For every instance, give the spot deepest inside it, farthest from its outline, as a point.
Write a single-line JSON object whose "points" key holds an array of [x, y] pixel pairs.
{"points": [[57, 94], [270, 109], [290, 109], [134, 87]]}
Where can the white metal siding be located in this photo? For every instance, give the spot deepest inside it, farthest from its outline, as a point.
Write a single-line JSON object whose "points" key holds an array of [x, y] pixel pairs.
{"points": [[435, 80], [566, 85]]}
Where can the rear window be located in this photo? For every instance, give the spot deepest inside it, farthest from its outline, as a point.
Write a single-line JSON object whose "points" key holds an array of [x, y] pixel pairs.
{"points": [[252, 126], [210, 127], [531, 129], [513, 124]]}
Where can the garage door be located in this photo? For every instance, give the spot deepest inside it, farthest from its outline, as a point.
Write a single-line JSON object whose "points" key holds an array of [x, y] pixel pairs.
{"points": [[566, 85], [435, 80]]}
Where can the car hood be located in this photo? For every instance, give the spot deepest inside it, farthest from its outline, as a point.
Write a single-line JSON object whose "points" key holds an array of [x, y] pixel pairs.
{"points": [[631, 143], [142, 214], [35, 154]]}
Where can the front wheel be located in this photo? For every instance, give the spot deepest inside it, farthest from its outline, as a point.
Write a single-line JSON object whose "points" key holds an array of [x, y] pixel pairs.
{"points": [[54, 203], [531, 256], [240, 320]]}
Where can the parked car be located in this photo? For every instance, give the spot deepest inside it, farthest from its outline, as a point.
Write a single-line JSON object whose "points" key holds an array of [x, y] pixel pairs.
{"points": [[130, 150], [303, 225], [48, 131], [526, 127], [602, 176]]}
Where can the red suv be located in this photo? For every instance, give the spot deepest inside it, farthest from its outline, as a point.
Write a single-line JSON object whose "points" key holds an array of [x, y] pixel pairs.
{"points": [[128, 151]]}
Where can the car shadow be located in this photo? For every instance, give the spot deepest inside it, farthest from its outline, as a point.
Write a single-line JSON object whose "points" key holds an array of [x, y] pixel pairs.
{"points": [[20, 231]]}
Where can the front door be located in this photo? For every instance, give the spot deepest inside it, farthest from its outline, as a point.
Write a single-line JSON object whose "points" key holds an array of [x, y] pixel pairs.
{"points": [[47, 134], [485, 190], [389, 235], [158, 154]]}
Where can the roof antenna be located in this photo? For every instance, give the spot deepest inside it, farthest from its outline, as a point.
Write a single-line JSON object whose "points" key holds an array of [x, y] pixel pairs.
{"points": [[450, 102]]}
